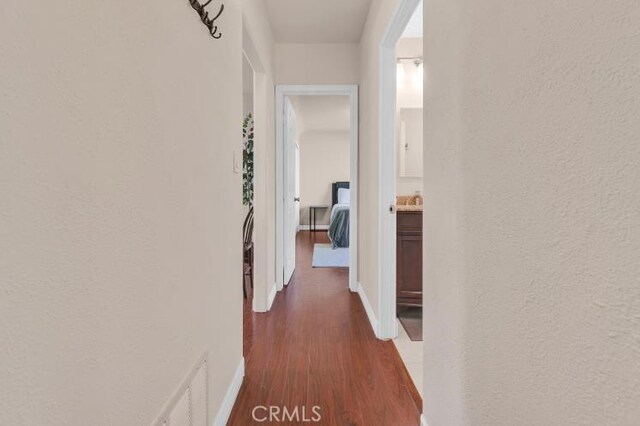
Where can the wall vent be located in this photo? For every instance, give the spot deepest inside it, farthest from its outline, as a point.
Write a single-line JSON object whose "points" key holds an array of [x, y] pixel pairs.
{"points": [[189, 405]]}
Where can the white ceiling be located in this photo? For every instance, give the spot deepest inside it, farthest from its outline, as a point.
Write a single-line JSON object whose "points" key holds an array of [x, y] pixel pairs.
{"points": [[415, 26], [317, 21], [321, 113]]}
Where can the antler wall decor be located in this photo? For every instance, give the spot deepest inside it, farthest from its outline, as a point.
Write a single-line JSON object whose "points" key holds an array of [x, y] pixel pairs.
{"points": [[204, 17]]}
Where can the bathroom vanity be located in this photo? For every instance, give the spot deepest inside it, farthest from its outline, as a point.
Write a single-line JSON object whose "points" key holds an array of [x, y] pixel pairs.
{"points": [[409, 256]]}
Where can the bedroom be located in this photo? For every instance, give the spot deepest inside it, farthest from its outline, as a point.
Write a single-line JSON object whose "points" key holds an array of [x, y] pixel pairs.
{"points": [[321, 146]]}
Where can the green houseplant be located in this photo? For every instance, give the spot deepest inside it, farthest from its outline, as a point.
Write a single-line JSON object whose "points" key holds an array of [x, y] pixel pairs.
{"points": [[247, 161]]}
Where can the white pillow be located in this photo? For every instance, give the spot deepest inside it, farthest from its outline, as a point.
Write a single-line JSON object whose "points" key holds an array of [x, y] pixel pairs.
{"points": [[344, 196]]}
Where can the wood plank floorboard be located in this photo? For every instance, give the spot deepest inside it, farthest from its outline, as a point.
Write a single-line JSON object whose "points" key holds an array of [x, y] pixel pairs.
{"points": [[316, 348]]}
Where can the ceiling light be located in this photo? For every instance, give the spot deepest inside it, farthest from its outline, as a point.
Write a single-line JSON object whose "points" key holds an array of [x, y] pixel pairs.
{"points": [[418, 77]]}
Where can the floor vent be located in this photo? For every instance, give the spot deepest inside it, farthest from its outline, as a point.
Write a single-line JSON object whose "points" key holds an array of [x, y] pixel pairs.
{"points": [[188, 407]]}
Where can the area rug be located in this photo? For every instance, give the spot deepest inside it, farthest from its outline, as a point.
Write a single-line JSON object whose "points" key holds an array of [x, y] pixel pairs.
{"points": [[411, 320], [325, 256]]}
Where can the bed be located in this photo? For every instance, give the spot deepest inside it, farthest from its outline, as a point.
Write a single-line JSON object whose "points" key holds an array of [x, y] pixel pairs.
{"points": [[339, 223]]}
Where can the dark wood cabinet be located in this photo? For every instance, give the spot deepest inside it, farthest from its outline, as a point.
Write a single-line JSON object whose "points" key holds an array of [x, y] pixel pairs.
{"points": [[409, 259]]}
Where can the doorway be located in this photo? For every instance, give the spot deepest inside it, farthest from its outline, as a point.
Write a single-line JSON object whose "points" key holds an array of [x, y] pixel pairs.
{"points": [[293, 208], [248, 180], [401, 147]]}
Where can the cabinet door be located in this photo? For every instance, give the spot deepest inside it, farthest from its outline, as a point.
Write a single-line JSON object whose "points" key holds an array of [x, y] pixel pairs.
{"points": [[409, 266]]}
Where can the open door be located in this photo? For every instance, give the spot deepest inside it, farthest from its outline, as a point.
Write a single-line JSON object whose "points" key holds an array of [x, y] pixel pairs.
{"points": [[297, 186], [290, 197]]}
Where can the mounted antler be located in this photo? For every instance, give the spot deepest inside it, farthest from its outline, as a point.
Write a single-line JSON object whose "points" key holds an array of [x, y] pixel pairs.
{"points": [[204, 17]]}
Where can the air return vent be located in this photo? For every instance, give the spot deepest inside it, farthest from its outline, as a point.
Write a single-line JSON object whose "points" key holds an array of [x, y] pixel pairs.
{"points": [[188, 407]]}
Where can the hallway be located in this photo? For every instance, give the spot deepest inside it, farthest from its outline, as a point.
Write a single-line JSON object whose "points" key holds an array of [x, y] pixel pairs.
{"points": [[316, 348]]}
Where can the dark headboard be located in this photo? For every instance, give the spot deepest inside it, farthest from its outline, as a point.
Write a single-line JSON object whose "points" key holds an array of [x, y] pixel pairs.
{"points": [[334, 191]]}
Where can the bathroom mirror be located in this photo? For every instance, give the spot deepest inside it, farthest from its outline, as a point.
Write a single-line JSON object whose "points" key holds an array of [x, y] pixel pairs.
{"points": [[410, 142]]}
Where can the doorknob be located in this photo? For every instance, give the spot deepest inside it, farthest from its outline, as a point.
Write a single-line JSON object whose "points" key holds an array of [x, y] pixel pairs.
{"points": [[296, 200]]}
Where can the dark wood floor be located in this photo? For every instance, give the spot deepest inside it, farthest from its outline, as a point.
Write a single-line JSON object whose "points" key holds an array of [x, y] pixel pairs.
{"points": [[316, 348]]}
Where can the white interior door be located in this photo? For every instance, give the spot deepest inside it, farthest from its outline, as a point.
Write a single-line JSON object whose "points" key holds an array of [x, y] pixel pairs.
{"points": [[297, 186], [290, 204]]}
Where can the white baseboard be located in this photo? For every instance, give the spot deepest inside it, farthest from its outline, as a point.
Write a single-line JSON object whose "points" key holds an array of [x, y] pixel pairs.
{"points": [[259, 306], [423, 420], [230, 397], [262, 307], [272, 296], [369, 309], [318, 227]]}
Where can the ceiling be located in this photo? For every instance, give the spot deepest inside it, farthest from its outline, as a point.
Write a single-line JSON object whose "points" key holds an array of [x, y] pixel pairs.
{"points": [[317, 21], [322, 113], [415, 27]]}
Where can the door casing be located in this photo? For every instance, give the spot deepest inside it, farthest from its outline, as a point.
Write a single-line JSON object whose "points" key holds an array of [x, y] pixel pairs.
{"points": [[387, 323], [283, 91]]}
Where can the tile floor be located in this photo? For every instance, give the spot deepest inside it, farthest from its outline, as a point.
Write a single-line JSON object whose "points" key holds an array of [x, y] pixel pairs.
{"points": [[411, 354]]}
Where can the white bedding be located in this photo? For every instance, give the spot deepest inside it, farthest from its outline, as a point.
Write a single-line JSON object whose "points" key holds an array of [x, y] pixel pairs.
{"points": [[336, 208]]}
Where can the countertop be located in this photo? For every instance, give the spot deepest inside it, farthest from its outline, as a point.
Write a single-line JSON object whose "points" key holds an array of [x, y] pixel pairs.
{"points": [[408, 208]]}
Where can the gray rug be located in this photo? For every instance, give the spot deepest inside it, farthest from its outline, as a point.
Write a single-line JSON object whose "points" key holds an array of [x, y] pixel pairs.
{"points": [[411, 320], [325, 256]]}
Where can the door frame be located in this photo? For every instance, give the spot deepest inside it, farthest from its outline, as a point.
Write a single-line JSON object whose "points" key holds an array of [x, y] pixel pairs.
{"points": [[264, 289], [388, 325], [317, 90]]}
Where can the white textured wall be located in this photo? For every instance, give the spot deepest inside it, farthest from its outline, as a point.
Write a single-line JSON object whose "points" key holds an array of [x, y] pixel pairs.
{"points": [[317, 63], [532, 231], [324, 159], [247, 87], [119, 266]]}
